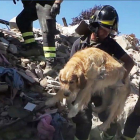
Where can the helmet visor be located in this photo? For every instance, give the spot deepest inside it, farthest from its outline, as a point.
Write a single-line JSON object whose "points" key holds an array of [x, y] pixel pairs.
{"points": [[93, 26], [107, 29]]}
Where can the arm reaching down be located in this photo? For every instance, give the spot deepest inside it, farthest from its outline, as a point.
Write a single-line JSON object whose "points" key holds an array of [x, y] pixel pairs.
{"points": [[128, 64]]}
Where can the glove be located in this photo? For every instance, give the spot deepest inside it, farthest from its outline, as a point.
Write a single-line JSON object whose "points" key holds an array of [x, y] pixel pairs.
{"points": [[55, 9], [15, 1]]}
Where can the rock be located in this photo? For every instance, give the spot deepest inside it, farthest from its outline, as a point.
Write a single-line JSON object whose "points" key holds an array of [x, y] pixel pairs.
{"points": [[67, 31], [9, 32], [41, 85], [31, 66], [3, 87], [15, 112], [31, 74], [12, 48], [126, 42], [135, 82], [39, 73], [3, 46], [134, 70], [3, 114], [42, 64], [4, 40], [37, 88], [12, 23], [26, 61], [44, 83], [30, 79]]}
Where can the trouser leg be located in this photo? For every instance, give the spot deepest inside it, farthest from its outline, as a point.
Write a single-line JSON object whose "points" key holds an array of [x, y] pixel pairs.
{"points": [[109, 133], [83, 121], [47, 23], [132, 122], [131, 125], [25, 23], [113, 126]]}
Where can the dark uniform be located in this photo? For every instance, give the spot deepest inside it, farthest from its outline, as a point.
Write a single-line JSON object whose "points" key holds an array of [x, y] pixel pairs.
{"points": [[83, 119], [132, 122], [32, 11]]}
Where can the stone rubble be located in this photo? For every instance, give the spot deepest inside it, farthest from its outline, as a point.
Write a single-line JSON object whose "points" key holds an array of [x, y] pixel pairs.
{"points": [[38, 87]]}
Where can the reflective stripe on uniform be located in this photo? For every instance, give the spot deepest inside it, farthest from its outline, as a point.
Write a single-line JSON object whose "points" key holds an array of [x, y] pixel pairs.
{"points": [[107, 22], [49, 49], [105, 136], [75, 138], [50, 54], [27, 34], [128, 138], [92, 17], [29, 40]]}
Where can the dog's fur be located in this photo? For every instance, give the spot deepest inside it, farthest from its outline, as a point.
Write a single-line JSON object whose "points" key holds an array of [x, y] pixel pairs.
{"points": [[93, 71]]}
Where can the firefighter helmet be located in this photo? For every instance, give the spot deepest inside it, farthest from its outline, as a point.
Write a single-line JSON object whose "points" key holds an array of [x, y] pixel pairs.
{"points": [[107, 17]]}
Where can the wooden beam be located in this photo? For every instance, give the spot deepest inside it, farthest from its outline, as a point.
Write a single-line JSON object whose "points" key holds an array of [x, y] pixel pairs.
{"points": [[65, 22]]}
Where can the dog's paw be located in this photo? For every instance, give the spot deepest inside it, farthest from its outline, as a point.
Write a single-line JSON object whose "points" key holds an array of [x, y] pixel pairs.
{"points": [[72, 113], [104, 126], [97, 109]]}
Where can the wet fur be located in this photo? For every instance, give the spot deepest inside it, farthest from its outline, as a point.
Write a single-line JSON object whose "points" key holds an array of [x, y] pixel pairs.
{"points": [[92, 71]]}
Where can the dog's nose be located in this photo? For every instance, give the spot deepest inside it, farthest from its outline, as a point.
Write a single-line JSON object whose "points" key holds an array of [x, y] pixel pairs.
{"points": [[66, 93]]}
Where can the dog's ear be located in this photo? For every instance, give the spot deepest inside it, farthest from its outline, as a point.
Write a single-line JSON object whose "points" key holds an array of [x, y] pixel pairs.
{"points": [[82, 81], [59, 77]]}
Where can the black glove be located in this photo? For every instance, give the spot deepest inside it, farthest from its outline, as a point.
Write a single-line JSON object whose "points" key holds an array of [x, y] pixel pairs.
{"points": [[55, 9], [15, 1]]}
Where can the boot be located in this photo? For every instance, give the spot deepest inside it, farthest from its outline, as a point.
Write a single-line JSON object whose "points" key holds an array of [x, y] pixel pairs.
{"points": [[126, 138], [31, 50], [75, 138], [105, 136], [50, 65]]}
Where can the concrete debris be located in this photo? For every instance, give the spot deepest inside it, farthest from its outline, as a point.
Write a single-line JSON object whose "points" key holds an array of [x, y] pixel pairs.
{"points": [[38, 86]]}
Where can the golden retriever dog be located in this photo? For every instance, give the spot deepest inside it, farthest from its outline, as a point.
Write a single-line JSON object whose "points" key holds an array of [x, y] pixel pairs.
{"points": [[92, 71]]}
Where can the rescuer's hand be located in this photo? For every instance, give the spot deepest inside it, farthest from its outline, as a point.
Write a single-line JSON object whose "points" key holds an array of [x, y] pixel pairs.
{"points": [[15, 1], [55, 9]]}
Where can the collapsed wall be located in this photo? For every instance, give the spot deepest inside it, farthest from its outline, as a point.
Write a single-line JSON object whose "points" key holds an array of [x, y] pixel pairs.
{"points": [[39, 86]]}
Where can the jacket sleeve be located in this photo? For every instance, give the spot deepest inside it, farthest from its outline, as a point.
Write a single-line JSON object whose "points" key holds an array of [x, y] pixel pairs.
{"points": [[58, 1], [75, 47]]}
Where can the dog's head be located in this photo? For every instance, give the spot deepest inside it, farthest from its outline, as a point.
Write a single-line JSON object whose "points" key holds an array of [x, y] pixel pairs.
{"points": [[72, 80]]}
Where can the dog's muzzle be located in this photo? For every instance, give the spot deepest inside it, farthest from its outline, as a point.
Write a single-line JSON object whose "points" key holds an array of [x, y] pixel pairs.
{"points": [[67, 93]]}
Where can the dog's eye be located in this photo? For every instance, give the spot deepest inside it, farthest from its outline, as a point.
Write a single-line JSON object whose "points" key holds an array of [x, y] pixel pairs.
{"points": [[64, 82], [71, 82]]}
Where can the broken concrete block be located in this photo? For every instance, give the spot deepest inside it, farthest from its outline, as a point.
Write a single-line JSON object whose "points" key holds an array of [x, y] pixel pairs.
{"points": [[3, 46], [3, 114], [44, 83], [62, 54], [28, 78], [31, 66], [24, 60], [42, 64], [12, 23], [12, 48], [39, 73], [3, 87], [31, 74], [4, 40], [37, 88]]}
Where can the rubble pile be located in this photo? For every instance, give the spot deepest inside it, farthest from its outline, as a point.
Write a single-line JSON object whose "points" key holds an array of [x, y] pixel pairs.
{"points": [[131, 45], [24, 86]]}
